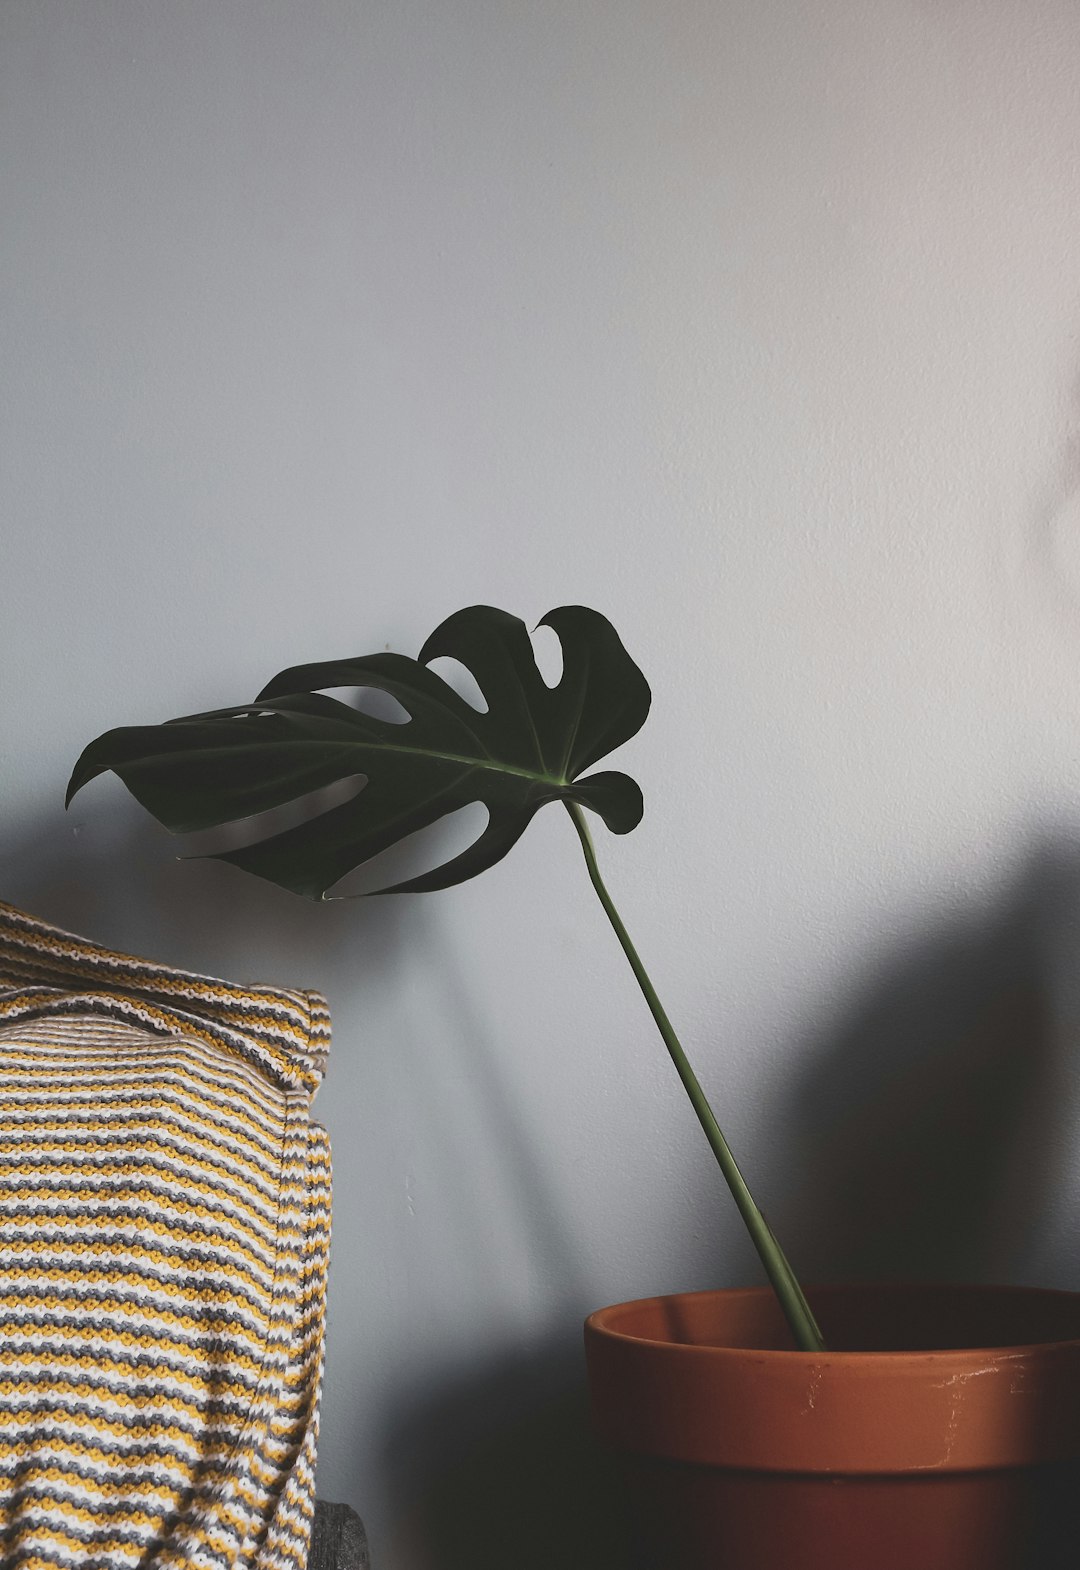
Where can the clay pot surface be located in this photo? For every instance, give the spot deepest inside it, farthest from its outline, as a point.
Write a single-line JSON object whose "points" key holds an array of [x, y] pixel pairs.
{"points": [[941, 1429]]}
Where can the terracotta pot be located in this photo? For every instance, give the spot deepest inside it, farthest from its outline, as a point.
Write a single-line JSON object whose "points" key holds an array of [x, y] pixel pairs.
{"points": [[941, 1431]]}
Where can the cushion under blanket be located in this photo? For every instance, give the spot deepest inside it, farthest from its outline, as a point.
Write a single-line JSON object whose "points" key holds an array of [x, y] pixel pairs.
{"points": [[164, 1223]]}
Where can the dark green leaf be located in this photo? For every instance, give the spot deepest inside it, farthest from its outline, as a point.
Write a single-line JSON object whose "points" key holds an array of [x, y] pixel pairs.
{"points": [[528, 748]]}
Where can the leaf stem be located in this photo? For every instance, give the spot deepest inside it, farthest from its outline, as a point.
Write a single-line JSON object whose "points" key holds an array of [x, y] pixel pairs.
{"points": [[804, 1327]]}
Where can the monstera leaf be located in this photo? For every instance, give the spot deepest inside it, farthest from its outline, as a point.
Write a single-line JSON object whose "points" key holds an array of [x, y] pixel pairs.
{"points": [[530, 747]]}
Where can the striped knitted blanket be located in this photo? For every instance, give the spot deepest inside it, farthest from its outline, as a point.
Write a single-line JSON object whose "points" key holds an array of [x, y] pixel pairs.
{"points": [[164, 1219]]}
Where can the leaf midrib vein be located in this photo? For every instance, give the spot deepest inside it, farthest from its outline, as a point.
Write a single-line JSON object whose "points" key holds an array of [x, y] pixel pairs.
{"points": [[486, 763], [475, 763]]}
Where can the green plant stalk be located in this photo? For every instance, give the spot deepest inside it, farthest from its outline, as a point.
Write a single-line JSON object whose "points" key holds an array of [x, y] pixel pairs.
{"points": [[804, 1326]]}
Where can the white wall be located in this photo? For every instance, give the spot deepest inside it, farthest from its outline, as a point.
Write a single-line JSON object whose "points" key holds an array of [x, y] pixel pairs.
{"points": [[756, 326]]}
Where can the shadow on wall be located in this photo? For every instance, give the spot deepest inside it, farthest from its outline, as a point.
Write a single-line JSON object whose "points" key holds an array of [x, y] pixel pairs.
{"points": [[503, 1469], [931, 1124], [121, 887]]}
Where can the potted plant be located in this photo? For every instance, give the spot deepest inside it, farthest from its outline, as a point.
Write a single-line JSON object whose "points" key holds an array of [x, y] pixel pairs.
{"points": [[930, 1427]]}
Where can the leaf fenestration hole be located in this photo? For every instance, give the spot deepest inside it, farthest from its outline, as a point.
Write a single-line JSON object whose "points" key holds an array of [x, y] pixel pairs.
{"points": [[417, 853], [462, 680], [275, 820], [370, 700], [548, 654]]}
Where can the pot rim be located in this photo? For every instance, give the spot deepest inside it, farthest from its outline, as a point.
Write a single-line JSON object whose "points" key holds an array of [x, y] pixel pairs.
{"points": [[916, 1412], [597, 1323]]}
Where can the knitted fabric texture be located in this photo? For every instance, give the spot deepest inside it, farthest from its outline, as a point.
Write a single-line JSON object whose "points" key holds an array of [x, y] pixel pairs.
{"points": [[164, 1227]]}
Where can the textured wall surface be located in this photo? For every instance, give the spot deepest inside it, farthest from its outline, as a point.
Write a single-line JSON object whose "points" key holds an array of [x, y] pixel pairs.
{"points": [[758, 328]]}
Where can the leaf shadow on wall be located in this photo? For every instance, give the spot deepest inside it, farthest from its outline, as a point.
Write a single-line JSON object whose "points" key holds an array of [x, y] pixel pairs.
{"points": [[930, 1126], [120, 885]]}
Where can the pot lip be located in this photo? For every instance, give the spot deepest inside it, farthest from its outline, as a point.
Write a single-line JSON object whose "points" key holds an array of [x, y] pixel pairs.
{"points": [[775, 1356]]}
